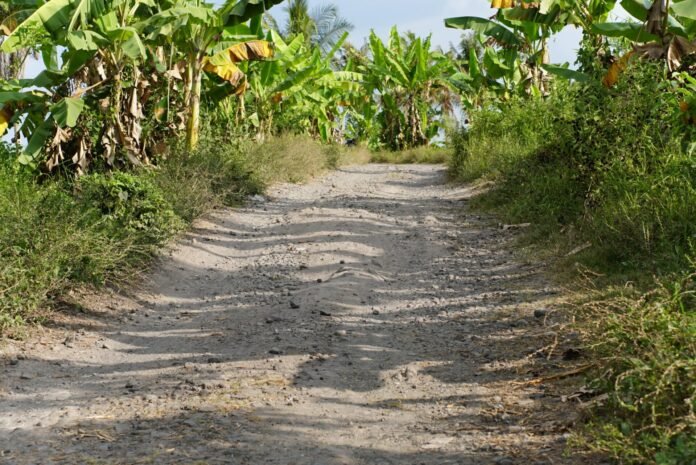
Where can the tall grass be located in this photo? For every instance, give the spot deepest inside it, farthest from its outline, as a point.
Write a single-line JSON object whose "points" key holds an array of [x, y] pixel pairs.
{"points": [[608, 172]]}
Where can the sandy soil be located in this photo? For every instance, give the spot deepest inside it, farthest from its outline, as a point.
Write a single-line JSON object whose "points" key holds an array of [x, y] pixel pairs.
{"points": [[368, 317]]}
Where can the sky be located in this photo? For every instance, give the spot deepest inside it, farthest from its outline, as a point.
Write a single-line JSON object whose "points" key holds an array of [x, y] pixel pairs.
{"points": [[427, 17]]}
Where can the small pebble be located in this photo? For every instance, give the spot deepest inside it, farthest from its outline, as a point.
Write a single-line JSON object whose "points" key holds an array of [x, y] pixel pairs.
{"points": [[540, 313]]}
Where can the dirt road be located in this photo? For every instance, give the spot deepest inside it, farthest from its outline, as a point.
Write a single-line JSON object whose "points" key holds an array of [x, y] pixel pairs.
{"points": [[368, 317]]}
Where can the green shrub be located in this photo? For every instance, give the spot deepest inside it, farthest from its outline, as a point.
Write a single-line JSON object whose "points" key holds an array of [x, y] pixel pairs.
{"points": [[607, 166], [130, 205], [612, 168], [47, 241]]}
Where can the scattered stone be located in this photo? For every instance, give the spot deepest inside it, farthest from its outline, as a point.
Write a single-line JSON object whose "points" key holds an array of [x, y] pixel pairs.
{"points": [[69, 341], [540, 313], [572, 354]]}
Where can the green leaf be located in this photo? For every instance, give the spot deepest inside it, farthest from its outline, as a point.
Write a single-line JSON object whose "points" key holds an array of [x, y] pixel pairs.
{"points": [[474, 69], [67, 111], [85, 40], [240, 11], [29, 97], [637, 8], [565, 73], [129, 41], [484, 26], [38, 140], [631, 31], [50, 21], [685, 8], [494, 65]]}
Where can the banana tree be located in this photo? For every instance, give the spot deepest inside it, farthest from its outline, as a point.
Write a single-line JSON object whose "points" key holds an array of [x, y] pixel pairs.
{"points": [[413, 85], [212, 39], [301, 83], [112, 58], [526, 28], [516, 42], [663, 30], [100, 41]]}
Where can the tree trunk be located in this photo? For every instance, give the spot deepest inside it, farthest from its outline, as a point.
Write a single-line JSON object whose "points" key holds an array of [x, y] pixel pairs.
{"points": [[188, 81], [193, 124]]}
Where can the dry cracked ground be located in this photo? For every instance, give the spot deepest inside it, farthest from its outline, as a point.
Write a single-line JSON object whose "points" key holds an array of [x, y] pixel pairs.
{"points": [[368, 317]]}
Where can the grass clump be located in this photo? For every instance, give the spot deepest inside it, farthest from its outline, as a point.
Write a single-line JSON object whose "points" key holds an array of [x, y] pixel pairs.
{"points": [[608, 172], [50, 240], [647, 351]]}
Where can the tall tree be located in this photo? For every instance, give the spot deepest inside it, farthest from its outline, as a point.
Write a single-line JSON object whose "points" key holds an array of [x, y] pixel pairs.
{"points": [[323, 27], [12, 64]]}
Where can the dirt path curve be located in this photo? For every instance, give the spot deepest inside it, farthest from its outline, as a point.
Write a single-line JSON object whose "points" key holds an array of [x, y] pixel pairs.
{"points": [[365, 318]]}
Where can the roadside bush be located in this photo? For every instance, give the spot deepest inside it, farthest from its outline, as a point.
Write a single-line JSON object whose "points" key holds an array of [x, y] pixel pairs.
{"points": [[605, 166], [129, 205], [610, 168], [47, 241]]}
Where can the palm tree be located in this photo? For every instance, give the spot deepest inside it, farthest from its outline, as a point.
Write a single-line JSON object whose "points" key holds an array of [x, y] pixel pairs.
{"points": [[299, 20], [12, 64], [322, 28], [330, 26]]}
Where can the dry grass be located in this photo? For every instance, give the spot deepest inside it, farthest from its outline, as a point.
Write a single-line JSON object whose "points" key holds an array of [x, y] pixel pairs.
{"points": [[418, 155], [297, 159]]}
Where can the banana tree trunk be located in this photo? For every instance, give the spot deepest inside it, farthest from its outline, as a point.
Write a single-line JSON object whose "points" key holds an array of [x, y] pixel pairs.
{"points": [[545, 60], [188, 81], [417, 136], [193, 124]]}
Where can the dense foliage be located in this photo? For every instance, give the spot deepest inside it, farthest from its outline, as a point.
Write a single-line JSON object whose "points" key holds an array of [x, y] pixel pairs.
{"points": [[123, 78], [601, 163]]}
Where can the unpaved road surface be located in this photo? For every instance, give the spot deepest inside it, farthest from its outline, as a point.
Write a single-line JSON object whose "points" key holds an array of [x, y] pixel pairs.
{"points": [[368, 317]]}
